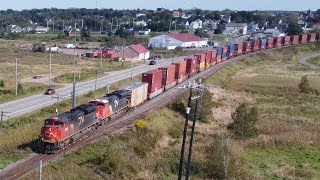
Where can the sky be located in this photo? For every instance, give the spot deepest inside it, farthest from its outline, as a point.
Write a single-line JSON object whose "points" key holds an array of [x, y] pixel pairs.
{"points": [[297, 5]]}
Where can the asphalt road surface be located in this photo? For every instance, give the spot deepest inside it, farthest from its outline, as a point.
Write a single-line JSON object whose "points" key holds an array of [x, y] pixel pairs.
{"points": [[28, 104]]}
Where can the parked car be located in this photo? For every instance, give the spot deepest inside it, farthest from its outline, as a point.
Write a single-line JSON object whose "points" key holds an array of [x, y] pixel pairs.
{"points": [[50, 91], [154, 57], [153, 62]]}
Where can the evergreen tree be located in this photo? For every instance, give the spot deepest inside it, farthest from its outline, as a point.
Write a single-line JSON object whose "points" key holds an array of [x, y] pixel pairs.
{"points": [[244, 121], [305, 86]]}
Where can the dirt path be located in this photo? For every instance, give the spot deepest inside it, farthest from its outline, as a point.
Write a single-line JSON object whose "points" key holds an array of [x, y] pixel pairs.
{"points": [[304, 61], [43, 79]]}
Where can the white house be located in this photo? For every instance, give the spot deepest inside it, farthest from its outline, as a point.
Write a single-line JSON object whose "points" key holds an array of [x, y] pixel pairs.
{"points": [[196, 24], [235, 28], [41, 29], [178, 40]]}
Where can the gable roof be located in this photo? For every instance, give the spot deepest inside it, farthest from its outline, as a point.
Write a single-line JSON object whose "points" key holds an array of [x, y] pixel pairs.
{"points": [[139, 48], [185, 37], [236, 25]]}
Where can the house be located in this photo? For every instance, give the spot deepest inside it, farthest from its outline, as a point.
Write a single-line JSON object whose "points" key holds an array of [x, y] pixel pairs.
{"points": [[41, 29], [185, 40], [140, 23], [305, 15], [176, 14], [236, 28], [253, 27], [196, 24], [135, 53], [316, 26], [226, 19], [210, 24]]}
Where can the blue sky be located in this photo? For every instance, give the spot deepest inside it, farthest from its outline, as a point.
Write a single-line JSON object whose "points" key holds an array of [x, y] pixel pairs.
{"points": [[299, 5]]}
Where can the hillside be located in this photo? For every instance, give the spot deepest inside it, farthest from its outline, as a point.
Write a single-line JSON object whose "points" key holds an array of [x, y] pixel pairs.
{"points": [[288, 145]]}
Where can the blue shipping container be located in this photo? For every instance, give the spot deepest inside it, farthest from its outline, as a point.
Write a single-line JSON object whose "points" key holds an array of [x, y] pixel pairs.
{"points": [[219, 50], [231, 48], [263, 41]]}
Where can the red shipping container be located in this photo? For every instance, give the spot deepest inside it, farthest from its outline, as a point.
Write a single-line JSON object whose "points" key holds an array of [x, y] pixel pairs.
{"points": [[255, 45], [247, 46], [286, 40], [277, 41], [180, 70], [303, 39], [294, 40], [208, 58], [239, 49], [168, 76], [270, 42], [191, 66], [154, 80], [312, 37], [213, 57], [201, 57]]}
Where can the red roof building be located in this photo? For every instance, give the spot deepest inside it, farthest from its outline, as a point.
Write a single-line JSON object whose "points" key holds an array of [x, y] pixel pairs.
{"points": [[171, 41], [135, 53], [316, 26]]}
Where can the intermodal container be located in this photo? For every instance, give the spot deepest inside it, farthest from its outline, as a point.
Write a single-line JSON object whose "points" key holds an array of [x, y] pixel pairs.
{"points": [[88, 55], [286, 40], [270, 43], [255, 45], [247, 46], [213, 56], [231, 50], [154, 80], [263, 44], [208, 59], [312, 37], [201, 61], [191, 66], [219, 54], [277, 41], [318, 37], [303, 39], [224, 52], [181, 71], [137, 93], [238, 49], [294, 40], [168, 76]]}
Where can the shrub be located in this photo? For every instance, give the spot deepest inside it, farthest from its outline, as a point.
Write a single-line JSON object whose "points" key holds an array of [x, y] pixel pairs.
{"points": [[139, 125], [244, 121], [305, 86]]}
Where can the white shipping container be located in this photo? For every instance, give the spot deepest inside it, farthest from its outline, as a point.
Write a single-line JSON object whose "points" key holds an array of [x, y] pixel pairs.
{"points": [[138, 93]]}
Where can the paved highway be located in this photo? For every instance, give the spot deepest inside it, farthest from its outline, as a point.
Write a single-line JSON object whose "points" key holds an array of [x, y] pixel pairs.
{"points": [[28, 104]]}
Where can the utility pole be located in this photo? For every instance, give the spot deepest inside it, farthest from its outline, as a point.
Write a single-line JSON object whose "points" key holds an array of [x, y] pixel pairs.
{"points": [[80, 67], [17, 74], [58, 97], [74, 69], [199, 87], [185, 133], [131, 71], [101, 59], [50, 67], [95, 83], [2, 115], [111, 24]]}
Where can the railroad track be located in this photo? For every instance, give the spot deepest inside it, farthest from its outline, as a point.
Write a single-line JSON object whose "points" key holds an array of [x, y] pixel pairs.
{"points": [[122, 123]]}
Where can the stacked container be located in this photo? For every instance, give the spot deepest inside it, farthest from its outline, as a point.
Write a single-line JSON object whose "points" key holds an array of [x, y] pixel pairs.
{"points": [[303, 39], [238, 49], [201, 60], [286, 41], [224, 52], [318, 37], [219, 54], [231, 50], [137, 93], [168, 76], [213, 56], [263, 44], [270, 43], [277, 41], [247, 46], [180, 71], [191, 66], [154, 80], [294, 40], [255, 45], [208, 59], [312, 37]]}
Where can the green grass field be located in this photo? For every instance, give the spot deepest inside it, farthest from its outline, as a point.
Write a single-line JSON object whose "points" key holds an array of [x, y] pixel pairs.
{"points": [[315, 61]]}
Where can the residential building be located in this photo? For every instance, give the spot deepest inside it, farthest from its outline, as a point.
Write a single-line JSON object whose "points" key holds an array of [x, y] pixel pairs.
{"points": [[226, 19], [316, 26], [236, 28], [177, 40], [197, 24], [210, 24], [176, 14], [18, 29], [134, 53], [41, 29]]}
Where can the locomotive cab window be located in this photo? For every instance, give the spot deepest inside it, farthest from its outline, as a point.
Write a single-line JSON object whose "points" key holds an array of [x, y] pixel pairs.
{"points": [[48, 122], [58, 123]]}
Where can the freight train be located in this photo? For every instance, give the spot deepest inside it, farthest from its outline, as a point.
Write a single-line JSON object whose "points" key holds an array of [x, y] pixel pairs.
{"points": [[59, 131]]}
